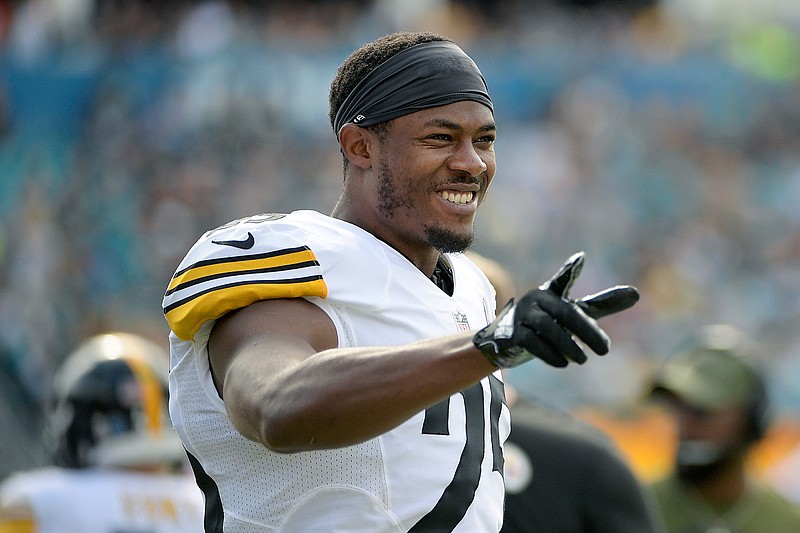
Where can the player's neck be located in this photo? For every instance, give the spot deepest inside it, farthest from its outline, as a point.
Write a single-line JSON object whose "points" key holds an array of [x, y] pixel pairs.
{"points": [[421, 254]]}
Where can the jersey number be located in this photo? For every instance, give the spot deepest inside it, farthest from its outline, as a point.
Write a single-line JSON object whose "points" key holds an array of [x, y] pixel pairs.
{"points": [[458, 496]]}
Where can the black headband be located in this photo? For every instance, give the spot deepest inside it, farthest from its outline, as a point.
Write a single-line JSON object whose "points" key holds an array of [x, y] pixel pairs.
{"points": [[425, 75]]}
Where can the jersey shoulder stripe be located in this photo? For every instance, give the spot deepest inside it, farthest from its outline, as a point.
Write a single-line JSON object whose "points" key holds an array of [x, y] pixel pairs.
{"points": [[209, 269], [209, 288]]}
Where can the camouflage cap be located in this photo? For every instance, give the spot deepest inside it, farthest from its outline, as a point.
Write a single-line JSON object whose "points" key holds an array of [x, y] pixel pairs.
{"points": [[708, 378]]}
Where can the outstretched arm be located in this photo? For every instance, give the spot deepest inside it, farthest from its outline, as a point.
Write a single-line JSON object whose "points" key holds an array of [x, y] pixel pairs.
{"points": [[287, 385]]}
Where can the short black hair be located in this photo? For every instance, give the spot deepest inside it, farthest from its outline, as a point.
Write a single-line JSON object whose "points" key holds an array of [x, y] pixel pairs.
{"points": [[364, 60]]}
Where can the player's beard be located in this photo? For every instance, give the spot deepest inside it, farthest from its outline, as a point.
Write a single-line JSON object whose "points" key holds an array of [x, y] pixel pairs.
{"points": [[440, 237], [447, 241], [698, 461]]}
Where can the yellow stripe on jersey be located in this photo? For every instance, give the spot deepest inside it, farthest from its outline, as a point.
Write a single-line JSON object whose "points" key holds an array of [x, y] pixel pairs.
{"points": [[290, 273], [283, 259], [186, 319]]}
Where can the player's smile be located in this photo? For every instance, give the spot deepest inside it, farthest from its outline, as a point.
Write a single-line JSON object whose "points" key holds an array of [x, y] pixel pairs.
{"points": [[465, 201], [456, 197]]}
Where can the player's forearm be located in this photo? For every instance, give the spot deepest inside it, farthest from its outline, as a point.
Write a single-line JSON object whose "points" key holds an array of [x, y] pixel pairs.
{"points": [[345, 396]]}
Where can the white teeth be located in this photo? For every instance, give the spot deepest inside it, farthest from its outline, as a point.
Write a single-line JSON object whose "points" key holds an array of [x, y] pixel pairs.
{"points": [[457, 197]]}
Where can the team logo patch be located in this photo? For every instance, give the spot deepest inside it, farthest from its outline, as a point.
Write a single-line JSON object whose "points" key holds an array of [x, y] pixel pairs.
{"points": [[461, 321], [517, 470]]}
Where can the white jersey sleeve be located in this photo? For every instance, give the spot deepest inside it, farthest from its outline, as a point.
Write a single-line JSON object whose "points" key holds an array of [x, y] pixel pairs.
{"points": [[439, 471], [236, 265]]}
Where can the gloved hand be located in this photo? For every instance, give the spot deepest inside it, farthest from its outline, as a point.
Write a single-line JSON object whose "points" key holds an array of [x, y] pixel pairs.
{"points": [[542, 323]]}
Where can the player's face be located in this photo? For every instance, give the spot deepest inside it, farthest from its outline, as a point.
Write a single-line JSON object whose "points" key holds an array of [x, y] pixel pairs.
{"points": [[432, 172], [718, 427], [708, 440]]}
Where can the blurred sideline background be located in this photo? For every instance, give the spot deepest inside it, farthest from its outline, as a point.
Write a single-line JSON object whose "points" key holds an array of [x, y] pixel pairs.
{"points": [[661, 137]]}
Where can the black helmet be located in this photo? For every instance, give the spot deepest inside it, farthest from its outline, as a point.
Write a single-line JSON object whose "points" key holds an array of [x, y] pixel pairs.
{"points": [[110, 405]]}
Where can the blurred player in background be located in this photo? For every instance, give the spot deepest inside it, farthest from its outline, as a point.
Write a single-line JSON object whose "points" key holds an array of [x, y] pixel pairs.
{"points": [[119, 466], [561, 474], [342, 373], [721, 408]]}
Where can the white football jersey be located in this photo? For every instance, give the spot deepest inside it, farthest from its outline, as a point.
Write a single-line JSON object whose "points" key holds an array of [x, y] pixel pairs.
{"points": [[439, 471], [56, 500]]}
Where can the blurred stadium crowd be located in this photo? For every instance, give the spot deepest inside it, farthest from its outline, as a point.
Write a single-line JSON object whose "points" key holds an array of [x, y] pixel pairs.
{"points": [[663, 138]]}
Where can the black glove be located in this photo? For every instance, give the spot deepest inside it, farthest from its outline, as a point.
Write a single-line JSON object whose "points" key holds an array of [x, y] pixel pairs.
{"points": [[541, 324]]}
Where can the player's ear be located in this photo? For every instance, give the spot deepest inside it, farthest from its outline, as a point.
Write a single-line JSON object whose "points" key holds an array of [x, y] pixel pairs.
{"points": [[356, 145]]}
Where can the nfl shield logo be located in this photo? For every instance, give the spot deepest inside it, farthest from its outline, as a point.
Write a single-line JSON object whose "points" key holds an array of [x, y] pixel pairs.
{"points": [[461, 321]]}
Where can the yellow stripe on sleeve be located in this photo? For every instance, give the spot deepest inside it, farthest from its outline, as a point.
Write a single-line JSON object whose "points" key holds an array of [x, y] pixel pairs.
{"points": [[240, 266], [186, 317]]}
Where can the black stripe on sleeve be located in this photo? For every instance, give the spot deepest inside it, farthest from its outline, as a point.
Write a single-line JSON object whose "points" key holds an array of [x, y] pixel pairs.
{"points": [[179, 303], [278, 268]]}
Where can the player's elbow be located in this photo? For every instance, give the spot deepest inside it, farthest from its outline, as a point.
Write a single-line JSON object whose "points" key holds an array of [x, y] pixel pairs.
{"points": [[308, 431], [279, 427], [284, 423], [283, 437]]}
